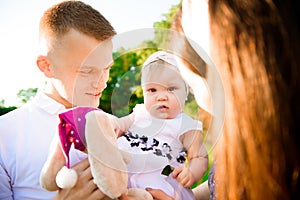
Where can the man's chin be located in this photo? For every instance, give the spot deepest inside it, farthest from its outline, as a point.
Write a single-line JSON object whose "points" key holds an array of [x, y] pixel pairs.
{"points": [[88, 104], [96, 104]]}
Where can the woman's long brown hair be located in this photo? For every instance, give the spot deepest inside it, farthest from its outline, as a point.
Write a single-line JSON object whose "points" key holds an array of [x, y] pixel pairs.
{"points": [[256, 48]]}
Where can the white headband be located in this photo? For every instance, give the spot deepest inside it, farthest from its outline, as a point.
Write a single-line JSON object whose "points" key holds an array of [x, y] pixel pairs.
{"points": [[168, 58], [162, 55]]}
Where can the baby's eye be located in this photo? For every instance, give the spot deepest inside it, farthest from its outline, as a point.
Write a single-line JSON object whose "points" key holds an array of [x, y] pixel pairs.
{"points": [[151, 90], [171, 89]]}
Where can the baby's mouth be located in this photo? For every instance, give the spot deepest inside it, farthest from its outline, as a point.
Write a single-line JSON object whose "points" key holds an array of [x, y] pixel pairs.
{"points": [[162, 107]]}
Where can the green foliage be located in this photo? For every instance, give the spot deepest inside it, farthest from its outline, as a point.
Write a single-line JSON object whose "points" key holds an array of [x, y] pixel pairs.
{"points": [[4, 110], [161, 35], [2, 102], [23, 95], [26, 95], [191, 107]]}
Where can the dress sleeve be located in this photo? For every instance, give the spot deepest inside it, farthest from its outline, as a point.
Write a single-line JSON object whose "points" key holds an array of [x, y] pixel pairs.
{"points": [[189, 124], [140, 114]]}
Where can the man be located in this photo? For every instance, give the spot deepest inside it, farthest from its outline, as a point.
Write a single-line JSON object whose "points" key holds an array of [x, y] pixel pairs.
{"points": [[76, 58]]}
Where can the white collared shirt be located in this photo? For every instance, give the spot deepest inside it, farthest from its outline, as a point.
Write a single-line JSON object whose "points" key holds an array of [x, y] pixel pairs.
{"points": [[25, 137]]}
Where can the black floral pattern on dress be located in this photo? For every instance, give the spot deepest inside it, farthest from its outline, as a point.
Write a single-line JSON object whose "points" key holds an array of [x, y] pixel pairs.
{"points": [[143, 143], [181, 158]]}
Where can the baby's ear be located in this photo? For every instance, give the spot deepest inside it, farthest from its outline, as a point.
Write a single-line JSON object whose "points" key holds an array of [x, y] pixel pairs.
{"points": [[44, 65]]}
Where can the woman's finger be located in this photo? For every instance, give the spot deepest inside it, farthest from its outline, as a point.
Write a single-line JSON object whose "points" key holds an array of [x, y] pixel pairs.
{"points": [[159, 194]]}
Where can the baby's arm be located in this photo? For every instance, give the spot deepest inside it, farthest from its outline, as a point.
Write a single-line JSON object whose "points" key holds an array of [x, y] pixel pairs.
{"points": [[197, 159], [122, 124]]}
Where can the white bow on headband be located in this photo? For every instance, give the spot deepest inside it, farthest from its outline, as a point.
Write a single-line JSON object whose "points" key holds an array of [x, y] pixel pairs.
{"points": [[162, 55]]}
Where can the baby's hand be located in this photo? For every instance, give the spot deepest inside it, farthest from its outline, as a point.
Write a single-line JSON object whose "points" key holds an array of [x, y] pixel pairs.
{"points": [[184, 176]]}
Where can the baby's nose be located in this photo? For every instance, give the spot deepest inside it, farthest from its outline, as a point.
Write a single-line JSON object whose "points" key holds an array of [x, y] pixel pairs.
{"points": [[161, 96]]}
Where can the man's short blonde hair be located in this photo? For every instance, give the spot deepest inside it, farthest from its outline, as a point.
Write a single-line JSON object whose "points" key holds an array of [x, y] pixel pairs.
{"points": [[60, 18]]}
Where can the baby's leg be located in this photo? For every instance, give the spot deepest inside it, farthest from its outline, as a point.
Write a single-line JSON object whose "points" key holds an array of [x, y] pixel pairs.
{"points": [[107, 165], [54, 163]]}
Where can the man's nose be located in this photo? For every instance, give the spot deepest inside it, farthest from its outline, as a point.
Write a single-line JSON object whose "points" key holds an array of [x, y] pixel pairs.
{"points": [[99, 84], [101, 80]]}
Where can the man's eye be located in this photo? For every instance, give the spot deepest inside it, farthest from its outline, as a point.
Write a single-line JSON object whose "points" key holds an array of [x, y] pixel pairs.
{"points": [[87, 71], [171, 89]]}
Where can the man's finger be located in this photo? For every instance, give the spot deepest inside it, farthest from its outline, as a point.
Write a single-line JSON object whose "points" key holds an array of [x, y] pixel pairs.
{"points": [[81, 166]]}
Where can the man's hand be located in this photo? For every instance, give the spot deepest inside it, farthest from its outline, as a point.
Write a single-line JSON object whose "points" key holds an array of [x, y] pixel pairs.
{"points": [[84, 188]]}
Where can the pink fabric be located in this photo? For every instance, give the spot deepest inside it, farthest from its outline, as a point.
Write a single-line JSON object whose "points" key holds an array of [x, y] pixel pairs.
{"points": [[72, 129]]}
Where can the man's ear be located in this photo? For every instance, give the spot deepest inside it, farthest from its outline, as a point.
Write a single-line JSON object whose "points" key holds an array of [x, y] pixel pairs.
{"points": [[44, 66]]}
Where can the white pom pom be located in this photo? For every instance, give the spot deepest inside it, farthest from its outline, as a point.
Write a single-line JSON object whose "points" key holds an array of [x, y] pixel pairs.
{"points": [[66, 178]]}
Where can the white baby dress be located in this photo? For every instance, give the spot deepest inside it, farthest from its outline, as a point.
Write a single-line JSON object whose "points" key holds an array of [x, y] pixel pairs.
{"points": [[154, 143]]}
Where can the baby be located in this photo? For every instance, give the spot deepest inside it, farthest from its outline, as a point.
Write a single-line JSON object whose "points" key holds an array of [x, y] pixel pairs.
{"points": [[161, 135]]}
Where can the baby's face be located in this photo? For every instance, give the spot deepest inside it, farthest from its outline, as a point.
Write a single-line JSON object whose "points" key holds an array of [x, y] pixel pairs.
{"points": [[165, 94]]}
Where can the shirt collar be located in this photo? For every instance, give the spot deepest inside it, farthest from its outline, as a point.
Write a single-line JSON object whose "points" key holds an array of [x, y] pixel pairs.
{"points": [[48, 104]]}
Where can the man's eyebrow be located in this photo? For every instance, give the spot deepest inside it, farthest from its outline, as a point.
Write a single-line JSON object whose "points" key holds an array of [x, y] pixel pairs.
{"points": [[92, 66], [108, 67], [85, 67]]}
